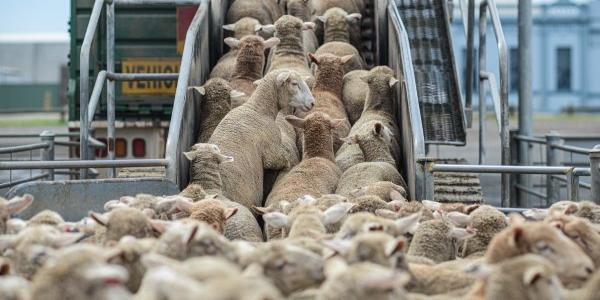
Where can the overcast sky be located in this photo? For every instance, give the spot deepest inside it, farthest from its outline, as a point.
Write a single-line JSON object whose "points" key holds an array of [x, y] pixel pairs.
{"points": [[34, 16]]}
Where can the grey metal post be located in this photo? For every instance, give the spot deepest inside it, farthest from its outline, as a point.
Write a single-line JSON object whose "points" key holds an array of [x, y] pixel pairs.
{"points": [[470, 59], [525, 92], [47, 153], [110, 85], [515, 194], [84, 82], [572, 186], [426, 165], [595, 172], [552, 159], [482, 95]]}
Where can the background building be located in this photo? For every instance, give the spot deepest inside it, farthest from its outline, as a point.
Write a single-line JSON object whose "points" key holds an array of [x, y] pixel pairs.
{"points": [[566, 53]]}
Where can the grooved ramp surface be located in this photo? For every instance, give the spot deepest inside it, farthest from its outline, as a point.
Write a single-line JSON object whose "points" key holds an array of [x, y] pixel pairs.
{"points": [[457, 187], [433, 62]]}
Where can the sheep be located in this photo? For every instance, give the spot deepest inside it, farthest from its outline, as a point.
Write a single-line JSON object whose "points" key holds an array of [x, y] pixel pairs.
{"points": [[378, 107], [210, 211], [289, 267], [434, 280], [47, 217], [206, 178], [224, 67], [265, 11], [543, 239], [319, 7], [128, 253], [370, 203], [363, 281], [30, 248], [163, 283], [582, 232], [589, 291], [376, 247], [12, 206], [192, 238], [437, 240], [383, 190], [584, 209], [524, 277], [249, 133], [124, 221], [316, 174], [249, 64], [343, 49], [366, 222], [307, 220], [300, 9], [289, 54], [487, 221], [216, 101], [354, 93], [80, 272], [14, 288], [328, 91], [379, 164], [337, 26]]}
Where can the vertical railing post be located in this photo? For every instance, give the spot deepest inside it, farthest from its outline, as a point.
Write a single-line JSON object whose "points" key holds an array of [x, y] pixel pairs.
{"points": [[595, 170], [470, 61], [426, 164], [515, 194], [572, 186], [552, 159], [47, 153], [482, 96], [110, 85]]}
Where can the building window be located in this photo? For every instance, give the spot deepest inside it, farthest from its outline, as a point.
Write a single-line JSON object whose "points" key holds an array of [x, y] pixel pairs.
{"points": [[475, 64], [514, 69], [563, 69]]}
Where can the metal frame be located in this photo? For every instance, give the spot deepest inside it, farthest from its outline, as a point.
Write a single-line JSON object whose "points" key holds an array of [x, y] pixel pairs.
{"points": [[468, 16], [500, 95], [391, 29]]}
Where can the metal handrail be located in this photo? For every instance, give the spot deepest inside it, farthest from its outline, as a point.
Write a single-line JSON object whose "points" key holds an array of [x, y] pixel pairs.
{"points": [[530, 139], [468, 17], [173, 147], [485, 6], [409, 101], [23, 148], [493, 169], [572, 149], [76, 164]]}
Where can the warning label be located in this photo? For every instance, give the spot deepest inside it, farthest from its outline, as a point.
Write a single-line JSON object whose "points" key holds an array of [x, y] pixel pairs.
{"points": [[150, 65]]}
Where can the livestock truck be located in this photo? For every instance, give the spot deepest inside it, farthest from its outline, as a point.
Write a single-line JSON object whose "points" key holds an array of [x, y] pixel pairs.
{"points": [[132, 63]]}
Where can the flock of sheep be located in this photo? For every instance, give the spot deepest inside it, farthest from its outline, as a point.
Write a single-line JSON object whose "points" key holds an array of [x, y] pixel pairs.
{"points": [[294, 194]]}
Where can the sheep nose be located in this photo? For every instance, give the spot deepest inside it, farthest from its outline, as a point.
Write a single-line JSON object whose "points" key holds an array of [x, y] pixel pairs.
{"points": [[312, 104], [589, 270]]}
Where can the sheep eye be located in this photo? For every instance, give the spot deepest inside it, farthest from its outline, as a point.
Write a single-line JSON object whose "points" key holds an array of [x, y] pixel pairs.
{"points": [[294, 83], [544, 248]]}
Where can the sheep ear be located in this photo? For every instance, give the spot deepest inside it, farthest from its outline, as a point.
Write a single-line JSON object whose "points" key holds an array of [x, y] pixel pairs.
{"points": [[470, 208], [516, 219], [516, 236], [479, 270], [532, 275], [458, 218], [7, 242], [386, 213], [397, 205], [336, 123], [355, 17], [336, 213], [267, 29], [276, 219], [200, 89], [338, 246], [283, 77], [431, 205], [272, 42], [4, 268], [160, 226], [232, 42], [570, 209], [99, 218], [225, 158], [230, 212], [184, 205], [347, 58], [462, 234], [395, 246], [393, 81], [334, 265], [295, 121], [306, 200], [191, 155], [149, 212], [308, 26], [229, 27], [192, 234], [409, 223], [313, 58], [322, 19], [262, 210], [284, 204], [17, 204]]}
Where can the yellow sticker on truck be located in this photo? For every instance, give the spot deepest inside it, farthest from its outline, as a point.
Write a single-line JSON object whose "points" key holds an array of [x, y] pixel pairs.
{"points": [[150, 65]]}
